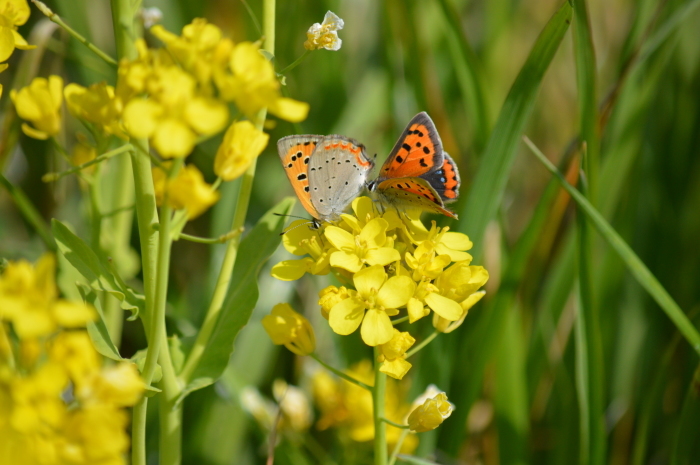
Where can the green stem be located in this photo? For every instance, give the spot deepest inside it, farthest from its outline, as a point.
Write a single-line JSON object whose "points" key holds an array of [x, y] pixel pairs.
{"points": [[210, 240], [29, 212], [378, 394], [57, 19], [394, 424], [226, 270], [50, 177], [339, 373], [423, 343], [399, 320], [397, 447], [295, 63]]}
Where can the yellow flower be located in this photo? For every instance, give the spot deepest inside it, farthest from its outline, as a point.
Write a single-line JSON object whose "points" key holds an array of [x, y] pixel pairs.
{"points": [[242, 143], [375, 300], [40, 103], [365, 211], [285, 326], [299, 239], [444, 242], [446, 326], [460, 283], [393, 354], [175, 114], [186, 191], [325, 35], [29, 300], [253, 85], [430, 414], [13, 13], [330, 296], [195, 48], [369, 246], [119, 385], [96, 104], [75, 353]]}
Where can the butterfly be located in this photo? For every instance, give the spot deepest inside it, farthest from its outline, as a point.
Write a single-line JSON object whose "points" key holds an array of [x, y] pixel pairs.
{"points": [[417, 172], [326, 172]]}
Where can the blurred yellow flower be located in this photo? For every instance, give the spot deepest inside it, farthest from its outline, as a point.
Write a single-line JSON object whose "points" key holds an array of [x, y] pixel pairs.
{"points": [[96, 104], [430, 414], [119, 385], [242, 143], [83, 152], [253, 85], [325, 35], [393, 354], [285, 326], [186, 191], [349, 407], [40, 104], [376, 299], [29, 300], [174, 114], [369, 246], [295, 407], [13, 13]]}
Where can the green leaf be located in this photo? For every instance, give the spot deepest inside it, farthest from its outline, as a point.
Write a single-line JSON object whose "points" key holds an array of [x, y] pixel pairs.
{"points": [[490, 180], [638, 269], [99, 334], [95, 269], [253, 252]]}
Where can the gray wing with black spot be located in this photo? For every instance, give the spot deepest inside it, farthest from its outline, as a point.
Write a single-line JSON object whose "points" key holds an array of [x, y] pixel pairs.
{"points": [[338, 170]]}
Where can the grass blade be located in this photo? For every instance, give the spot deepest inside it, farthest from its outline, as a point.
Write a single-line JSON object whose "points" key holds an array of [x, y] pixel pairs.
{"points": [[641, 273], [490, 181]]}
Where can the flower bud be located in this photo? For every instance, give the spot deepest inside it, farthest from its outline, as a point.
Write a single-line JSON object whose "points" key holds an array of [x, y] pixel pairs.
{"points": [[430, 414], [330, 296], [285, 326]]}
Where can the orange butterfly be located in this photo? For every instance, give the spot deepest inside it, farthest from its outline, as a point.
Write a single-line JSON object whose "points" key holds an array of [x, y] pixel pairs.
{"points": [[418, 173]]}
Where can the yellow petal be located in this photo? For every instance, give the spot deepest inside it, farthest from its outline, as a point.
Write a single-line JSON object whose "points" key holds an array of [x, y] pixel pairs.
{"points": [[141, 117], [374, 233], [382, 256], [289, 109], [346, 316], [291, 270], [376, 328], [346, 261], [371, 278], [340, 238], [73, 314], [397, 368], [242, 143], [416, 310], [206, 116], [446, 308], [173, 138], [456, 241], [7, 43], [396, 292], [470, 301], [34, 133], [56, 90]]}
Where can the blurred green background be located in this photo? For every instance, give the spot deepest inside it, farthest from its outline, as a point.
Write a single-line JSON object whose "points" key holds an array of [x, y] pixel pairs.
{"points": [[511, 369]]}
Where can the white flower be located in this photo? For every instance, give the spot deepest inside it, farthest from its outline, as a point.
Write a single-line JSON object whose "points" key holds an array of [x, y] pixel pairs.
{"points": [[325, 35]]}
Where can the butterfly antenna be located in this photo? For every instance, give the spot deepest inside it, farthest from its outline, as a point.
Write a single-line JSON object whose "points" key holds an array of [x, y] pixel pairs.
{"points": [[289, 216], [314, 224]]}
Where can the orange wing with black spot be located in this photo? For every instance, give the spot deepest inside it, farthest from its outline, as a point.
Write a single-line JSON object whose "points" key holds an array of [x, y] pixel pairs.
{"points": [[445, 180], [295, 154], [412, 192], [418, 150]]}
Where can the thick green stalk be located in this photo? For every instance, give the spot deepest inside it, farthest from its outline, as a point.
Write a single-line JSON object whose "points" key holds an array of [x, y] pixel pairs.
{"points": [[146, 215], [378, 400], [222, 282]]}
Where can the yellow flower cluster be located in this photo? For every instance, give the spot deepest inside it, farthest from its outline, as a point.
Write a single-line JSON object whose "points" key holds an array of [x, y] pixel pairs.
{"points": [[57, 404], [387, 263], [187, 190], [348, 407]]}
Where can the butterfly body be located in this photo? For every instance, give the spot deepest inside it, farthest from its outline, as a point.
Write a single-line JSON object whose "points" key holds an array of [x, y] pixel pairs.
{"points": [[418, 173], [326, 172]]}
